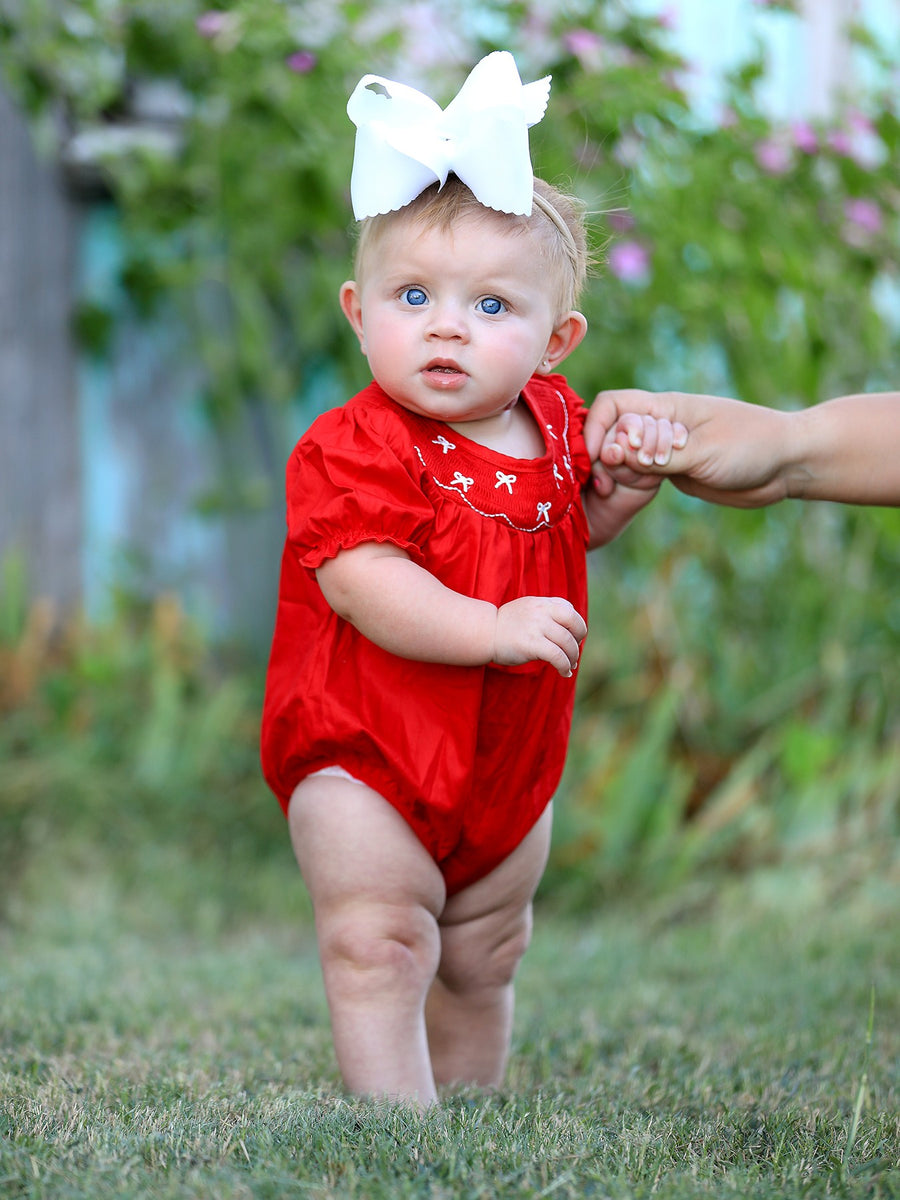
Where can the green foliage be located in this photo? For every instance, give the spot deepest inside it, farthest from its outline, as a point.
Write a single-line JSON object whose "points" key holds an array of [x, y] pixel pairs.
{"points": [[737, 701], [134, 744]]}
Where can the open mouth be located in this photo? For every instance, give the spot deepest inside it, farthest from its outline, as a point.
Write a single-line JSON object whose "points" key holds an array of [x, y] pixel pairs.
{"points": [[443, 367]]}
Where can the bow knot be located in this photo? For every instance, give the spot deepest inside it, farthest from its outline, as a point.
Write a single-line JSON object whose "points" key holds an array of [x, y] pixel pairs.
{"points": [[405, 141]]}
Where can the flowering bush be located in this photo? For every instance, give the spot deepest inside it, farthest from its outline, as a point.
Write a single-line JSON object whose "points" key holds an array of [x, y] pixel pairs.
{"points": [[741, 256], [770, 253]]}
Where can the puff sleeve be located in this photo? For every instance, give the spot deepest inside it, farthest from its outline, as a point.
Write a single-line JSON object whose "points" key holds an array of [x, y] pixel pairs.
{"points": [[349, 483]]}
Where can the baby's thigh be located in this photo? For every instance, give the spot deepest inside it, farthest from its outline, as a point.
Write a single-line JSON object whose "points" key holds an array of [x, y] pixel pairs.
{"points": [[492, 917], [352, 845]]}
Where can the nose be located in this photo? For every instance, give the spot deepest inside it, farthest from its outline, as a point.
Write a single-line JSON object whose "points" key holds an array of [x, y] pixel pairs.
{"points": [[447, 321]]}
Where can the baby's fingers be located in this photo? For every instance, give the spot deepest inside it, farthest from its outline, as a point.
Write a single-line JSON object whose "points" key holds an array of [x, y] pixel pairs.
{"points": [[643, 441], [564, 637], [566, 614], [668, 437]]}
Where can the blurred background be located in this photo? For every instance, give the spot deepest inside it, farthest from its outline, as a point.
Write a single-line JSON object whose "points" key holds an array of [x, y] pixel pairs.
{"points": [[174, 226]]}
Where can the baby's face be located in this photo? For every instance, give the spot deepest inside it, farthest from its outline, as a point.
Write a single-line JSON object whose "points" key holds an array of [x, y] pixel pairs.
{"points": [[453, 322]]}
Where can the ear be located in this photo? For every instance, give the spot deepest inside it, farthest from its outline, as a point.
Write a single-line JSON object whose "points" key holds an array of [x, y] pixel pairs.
{"points": [[567, 334], [351, 307]]}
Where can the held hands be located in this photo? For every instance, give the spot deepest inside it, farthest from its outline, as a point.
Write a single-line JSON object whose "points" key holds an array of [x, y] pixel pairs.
{"points": [[739, 454], [630, 449], [544, 628]]}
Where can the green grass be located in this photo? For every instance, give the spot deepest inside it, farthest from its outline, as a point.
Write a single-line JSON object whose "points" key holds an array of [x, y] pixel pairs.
{"points": [[712, 1042]]}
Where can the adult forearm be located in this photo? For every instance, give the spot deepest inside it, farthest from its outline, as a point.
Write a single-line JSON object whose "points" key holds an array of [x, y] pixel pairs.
{"points": [[847, 449]]}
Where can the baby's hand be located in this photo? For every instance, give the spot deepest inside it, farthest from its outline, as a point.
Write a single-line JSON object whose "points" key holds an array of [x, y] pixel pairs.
{"points": [[546, 628], [652, 440]]}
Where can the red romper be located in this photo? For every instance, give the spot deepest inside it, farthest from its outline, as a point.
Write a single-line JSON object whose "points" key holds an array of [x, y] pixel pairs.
{"points": [[470, 756]]}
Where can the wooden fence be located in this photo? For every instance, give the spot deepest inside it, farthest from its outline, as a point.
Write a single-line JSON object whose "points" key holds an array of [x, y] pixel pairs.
{"points": [[40, 472]]}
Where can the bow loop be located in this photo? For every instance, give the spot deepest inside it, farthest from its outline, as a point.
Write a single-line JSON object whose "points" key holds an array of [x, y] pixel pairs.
{"points": [[405, 141]]}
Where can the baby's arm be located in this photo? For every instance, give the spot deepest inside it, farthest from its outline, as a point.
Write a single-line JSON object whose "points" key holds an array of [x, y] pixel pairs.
{"points": [[404, 609], [619, 490], [611, 501]]}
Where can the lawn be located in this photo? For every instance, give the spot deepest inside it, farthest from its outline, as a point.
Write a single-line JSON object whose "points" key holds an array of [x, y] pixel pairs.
{"points": [[736, 1038]]}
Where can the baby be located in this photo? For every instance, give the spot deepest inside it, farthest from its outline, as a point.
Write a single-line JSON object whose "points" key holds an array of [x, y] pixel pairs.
{"points": [[434, 589]]}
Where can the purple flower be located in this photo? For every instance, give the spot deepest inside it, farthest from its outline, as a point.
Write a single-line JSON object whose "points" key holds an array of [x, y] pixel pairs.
{"points": [[773, 156], [210, 24], [302, 61], [630, 262]]}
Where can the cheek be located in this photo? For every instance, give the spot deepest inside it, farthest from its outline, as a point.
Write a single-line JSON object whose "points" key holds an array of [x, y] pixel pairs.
{"points": [[385, 341]]}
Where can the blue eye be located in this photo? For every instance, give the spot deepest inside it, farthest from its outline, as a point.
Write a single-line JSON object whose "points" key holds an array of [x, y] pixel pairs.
{"points": [[491, 306], [414, 296]]}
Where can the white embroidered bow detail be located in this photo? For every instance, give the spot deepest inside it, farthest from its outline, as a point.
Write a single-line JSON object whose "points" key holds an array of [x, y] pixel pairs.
{"points": [[405, 141]]}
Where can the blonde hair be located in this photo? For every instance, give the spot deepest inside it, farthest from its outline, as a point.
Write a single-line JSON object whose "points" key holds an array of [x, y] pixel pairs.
{"points": [[556, 221]]}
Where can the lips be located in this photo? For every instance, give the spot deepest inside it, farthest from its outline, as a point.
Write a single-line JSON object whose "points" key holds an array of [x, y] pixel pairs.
{"points": [[444, 366]]}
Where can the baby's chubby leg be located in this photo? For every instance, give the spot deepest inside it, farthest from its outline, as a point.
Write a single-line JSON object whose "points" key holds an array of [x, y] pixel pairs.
{"points": [[485, 929], [377, 896]]}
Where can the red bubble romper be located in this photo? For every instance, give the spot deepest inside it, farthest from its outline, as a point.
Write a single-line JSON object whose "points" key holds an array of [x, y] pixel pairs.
{"points": [[470, 756]]}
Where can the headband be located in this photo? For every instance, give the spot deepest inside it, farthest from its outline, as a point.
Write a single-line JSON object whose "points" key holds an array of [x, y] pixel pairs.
{"points": [[405, 142]]}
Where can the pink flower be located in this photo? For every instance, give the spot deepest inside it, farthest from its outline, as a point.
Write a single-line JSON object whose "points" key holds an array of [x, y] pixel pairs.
{"points": [[301, 61], [840, 142], [773, 156], [621, 220], [866, 215], [586, 46], [804, 137], [668, 17], [860, 142], [630, 262], [860, 123], [211, 24]]}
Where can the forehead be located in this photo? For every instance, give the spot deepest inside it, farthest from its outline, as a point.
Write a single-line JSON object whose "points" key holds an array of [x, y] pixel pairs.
{"points": [[410, 233], [482, 244]]}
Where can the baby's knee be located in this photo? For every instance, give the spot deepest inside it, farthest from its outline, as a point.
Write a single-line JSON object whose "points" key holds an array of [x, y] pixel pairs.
{"points": [[374, 945]]}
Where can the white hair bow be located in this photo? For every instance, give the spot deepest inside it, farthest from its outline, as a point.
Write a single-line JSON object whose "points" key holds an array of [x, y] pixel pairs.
{"points": [[405, 142]]}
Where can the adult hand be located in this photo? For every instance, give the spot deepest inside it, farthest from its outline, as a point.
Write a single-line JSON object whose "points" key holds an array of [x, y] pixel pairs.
{"points": [[719, 449]]}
